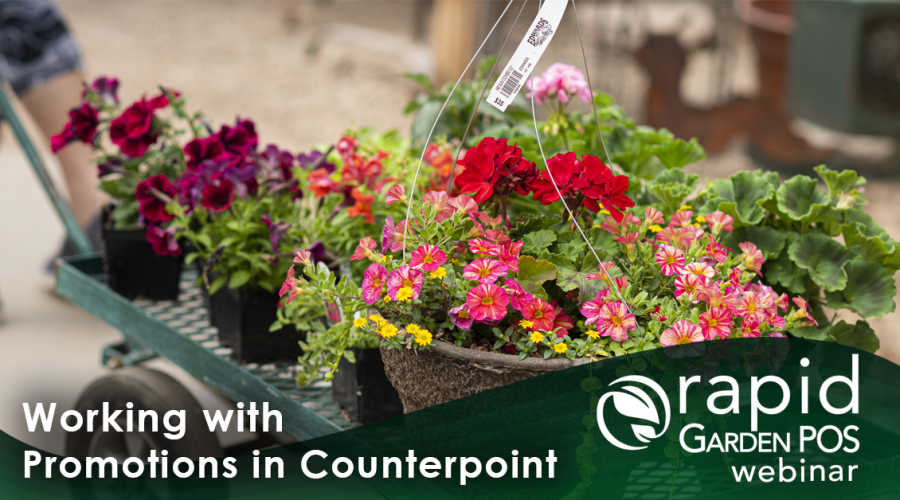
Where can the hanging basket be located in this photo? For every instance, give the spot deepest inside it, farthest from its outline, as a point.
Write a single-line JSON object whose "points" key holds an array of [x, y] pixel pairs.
{"points": [[447, 372]]}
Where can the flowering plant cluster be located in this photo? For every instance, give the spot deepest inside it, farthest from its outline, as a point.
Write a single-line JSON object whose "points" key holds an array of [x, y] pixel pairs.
{"points": [[139, 156]]}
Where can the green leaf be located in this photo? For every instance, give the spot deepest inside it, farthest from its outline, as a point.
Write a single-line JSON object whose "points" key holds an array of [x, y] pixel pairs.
{"points": [[823, 257], [570, 278], [533, 273], [574, 250], [797, 196], [859, 335], [811, 333], [238, 279], [538, 240], [870, 289], [769, 240], [784, 272], [677, 153], [740, 194], [217, 284], [422, 80]]}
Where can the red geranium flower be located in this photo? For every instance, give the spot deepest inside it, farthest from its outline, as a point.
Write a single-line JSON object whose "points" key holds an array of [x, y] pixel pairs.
{"points": [[133, 130], [152, 194], [495, 167], [564, 170], [588, 181], [218, 197]]}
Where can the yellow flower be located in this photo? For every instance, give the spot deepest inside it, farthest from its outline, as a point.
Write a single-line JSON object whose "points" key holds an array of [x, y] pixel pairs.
{"points": [[412, 328], [377, 319], [387, 299], [561, 348], [423, 337], [596, 226], [387, 330], [360, 322], [701, 218], [383, 259], [656, 228], [404, 294], [604, 211], [592, 334], [526, 324], [682, 208], [695, 225], [536, 337], [438, 273]]}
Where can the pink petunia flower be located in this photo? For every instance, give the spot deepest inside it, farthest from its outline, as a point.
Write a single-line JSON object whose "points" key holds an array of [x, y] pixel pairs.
{"points": [[629, 240], [440, 201], [485, 270], [716, 323], [653, 216], [405, 277], [463, 205], [802, 312], [682, 332], [718, 221], [703, 271], [750, 306], [688, 284], [428, 258], [670, 259], [509, 254], [716, 250], [518, 297], [682, 219], [713, 296], [676, 236], [605, 267], [461, 317], [484, 247], [365, 249], [735, 278], [373, 281], [562, 323], [614, 321], [541, 313], [487, 301], [392, 236], [591, 309], [396, 194], [289, 286], [751, 258], [750, 327]]}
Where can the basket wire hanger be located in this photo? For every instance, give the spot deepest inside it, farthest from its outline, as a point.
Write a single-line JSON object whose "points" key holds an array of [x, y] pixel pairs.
{"points": [[609, 279]]}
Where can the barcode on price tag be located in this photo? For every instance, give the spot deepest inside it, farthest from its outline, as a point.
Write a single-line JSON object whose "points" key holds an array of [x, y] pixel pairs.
{"points": [[527, 54]]}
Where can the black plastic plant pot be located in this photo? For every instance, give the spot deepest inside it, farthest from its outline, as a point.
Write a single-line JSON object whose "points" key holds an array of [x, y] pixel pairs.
{"points": [[363, 390], [135, 270], [244, 317]]}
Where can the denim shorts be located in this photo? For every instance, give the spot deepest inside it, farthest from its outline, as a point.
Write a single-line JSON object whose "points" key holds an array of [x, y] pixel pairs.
{"points": [[35, 44]]}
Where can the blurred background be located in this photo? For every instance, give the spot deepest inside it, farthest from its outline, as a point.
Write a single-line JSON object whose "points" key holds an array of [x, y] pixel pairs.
{"points": [[782, 85]]}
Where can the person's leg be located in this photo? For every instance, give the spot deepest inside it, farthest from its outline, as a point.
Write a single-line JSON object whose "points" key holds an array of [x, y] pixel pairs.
{"points": [[49, 105]]}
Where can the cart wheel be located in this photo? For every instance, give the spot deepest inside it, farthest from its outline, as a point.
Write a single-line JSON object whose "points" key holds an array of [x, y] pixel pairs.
{"points": [[147, 390]]}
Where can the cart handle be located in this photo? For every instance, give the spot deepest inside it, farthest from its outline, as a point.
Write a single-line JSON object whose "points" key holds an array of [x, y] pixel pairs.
{"points": [[76, 235]]}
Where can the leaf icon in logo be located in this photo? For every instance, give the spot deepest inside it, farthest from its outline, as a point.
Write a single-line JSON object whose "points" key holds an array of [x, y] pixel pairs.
{"points": [[637, 404]]}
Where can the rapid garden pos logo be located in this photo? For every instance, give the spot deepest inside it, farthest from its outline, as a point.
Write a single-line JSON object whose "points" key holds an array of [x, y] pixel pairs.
{"points": [[635, 403]]}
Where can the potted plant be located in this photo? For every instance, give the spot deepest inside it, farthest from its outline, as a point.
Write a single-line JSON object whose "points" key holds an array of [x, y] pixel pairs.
{"points": [[139, 157]]}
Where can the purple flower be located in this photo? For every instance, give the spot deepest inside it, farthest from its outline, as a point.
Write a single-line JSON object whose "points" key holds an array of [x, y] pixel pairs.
{"points": [[106, 88], [308, 160], [242, 177], [277, 230], [316, 251], [279, 164], [163, 240], [460, 317]]}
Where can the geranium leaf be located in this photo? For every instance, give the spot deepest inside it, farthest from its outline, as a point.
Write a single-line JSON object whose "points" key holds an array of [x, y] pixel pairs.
{"points": [[574, 249], [768, 239], [678, 153], [797, 196], [571, 277], [538, 240], [859, 335], [740, 194], [533, 273], [811, 332], [823, 257], [870, 289]]}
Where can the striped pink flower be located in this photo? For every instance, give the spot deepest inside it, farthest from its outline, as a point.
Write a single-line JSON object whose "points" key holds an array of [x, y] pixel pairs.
{"points": [[683, 332], [670, 259], [485, 270]]}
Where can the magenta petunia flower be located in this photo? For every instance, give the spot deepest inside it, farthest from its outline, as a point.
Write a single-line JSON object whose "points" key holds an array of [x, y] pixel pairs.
{"points": [[392, 236], [373, 281], [518, 297], [682, 332], [562, 323], [591, 309], [428, 258], [688, 284], [750, 306], [614, 321], [716, 323], [289, 287], [670, 259], [461, 317], [487, 301], [163, 240], [365, 249], [509, 254], [485, 270], [484, 247], [405, 277], [541, 313], [716, 250]]}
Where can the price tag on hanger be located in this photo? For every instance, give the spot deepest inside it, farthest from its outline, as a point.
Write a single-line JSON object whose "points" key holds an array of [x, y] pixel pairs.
{"points": [[527, 54]]}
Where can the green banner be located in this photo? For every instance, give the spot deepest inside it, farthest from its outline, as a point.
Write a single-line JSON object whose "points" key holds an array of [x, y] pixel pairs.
{"points": [[728, 419]]}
